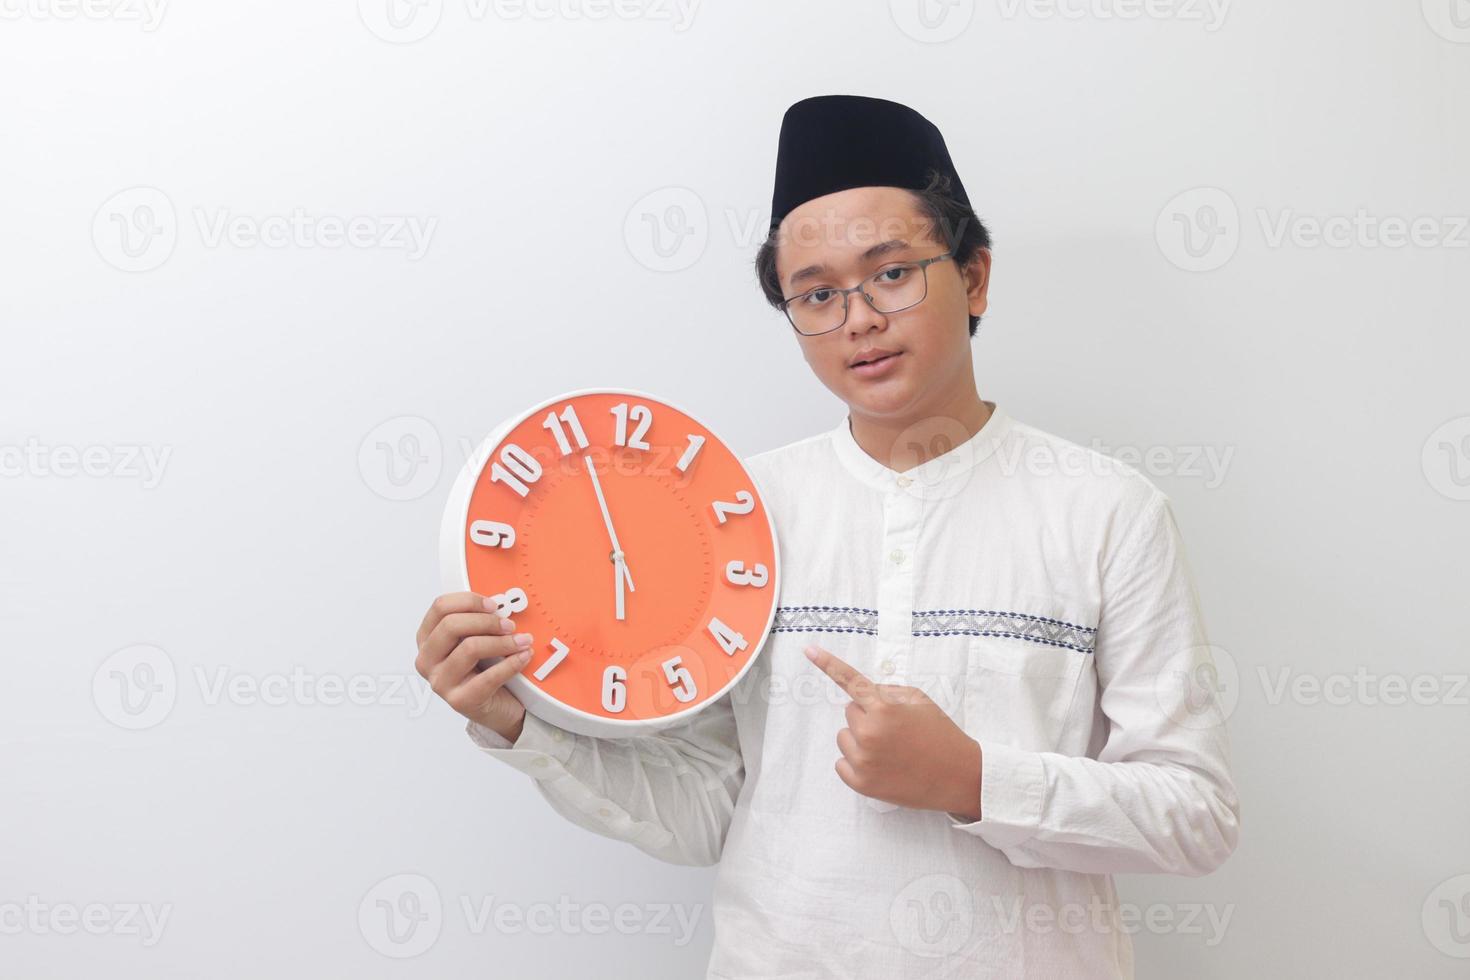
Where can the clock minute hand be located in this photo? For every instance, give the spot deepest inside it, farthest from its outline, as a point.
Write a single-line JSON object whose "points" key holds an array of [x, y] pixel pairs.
{"points": [[619, 561]]}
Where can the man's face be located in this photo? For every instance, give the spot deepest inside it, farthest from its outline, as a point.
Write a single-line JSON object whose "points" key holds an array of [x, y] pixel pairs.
{"points": [[839, 239]]}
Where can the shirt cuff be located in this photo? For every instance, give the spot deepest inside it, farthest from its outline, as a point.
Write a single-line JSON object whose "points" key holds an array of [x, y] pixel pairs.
{"points": [[541, 751], [1012, 788]]}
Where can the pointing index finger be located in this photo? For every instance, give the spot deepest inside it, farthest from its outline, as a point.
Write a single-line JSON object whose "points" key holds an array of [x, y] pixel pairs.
{"points": [[849, 678]]}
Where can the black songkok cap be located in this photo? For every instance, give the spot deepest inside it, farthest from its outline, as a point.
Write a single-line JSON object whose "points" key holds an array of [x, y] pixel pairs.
{"points": [[831, 143]]}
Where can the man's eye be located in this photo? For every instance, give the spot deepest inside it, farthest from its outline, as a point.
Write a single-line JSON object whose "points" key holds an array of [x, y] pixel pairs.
{"points": [[817, 297], [895, 274]]}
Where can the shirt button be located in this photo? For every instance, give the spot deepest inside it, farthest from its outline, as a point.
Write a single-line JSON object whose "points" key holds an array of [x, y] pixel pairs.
{"points": [[904, 481], [886, 666], [558, 737], [541, 762], [897, 556], [603, 811]]}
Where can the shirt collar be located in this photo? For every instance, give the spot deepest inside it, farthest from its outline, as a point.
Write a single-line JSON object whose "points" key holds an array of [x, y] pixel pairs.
{"points": [[932, 473]]}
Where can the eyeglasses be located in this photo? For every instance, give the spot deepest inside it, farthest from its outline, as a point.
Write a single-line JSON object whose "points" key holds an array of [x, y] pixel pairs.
{"points": [[890, 290]]}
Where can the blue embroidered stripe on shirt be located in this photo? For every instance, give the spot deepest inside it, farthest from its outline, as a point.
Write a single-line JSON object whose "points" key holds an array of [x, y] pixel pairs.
{"points": [[825, 619], [938, 622], [989, 622]]}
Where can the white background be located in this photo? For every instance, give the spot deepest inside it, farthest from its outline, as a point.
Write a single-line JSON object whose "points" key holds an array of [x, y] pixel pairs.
{"points": [[539, 145]]}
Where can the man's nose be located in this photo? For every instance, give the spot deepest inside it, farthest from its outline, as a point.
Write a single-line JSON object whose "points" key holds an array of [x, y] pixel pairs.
{"points": [[861, 316]]}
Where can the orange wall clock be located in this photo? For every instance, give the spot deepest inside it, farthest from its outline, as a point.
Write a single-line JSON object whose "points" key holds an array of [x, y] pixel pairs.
{"points": [[631, 542]]}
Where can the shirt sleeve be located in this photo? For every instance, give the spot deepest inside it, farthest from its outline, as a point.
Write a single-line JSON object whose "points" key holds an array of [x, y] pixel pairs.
{"points": [[1159, 797], [671, 794]]}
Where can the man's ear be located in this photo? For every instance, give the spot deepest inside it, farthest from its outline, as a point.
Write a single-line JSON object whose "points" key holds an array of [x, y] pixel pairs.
{"points": [[977, 281]]}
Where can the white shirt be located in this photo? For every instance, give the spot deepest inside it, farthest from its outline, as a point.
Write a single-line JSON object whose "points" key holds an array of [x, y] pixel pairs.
{"points": [[1039, 593]]}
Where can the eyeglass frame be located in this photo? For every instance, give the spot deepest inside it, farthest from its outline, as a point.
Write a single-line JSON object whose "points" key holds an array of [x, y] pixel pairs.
{"points": [[923, 265]]}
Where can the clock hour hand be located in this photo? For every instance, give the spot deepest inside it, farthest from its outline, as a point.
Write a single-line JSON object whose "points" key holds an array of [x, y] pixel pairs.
{"points": [[619, 577]]}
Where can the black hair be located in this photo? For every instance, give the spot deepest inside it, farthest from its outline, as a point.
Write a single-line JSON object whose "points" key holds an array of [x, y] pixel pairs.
{"points": [[960, 228]]}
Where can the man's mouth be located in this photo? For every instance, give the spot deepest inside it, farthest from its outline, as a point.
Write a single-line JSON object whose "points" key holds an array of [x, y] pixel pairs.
{"points": [[876, 359]]}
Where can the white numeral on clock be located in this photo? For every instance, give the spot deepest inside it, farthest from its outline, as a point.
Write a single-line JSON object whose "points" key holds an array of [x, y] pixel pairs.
{"points": [[745, 506], [512, 600], [544, 671], [520, 469], [641, 414], [614, 688], [695, 442], [492, 534], [736, 574], [729, 640], [552, 422], [680, 679]]}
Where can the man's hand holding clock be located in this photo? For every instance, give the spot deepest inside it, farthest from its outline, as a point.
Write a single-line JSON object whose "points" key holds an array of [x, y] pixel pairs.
{"points": [[460, 630]]}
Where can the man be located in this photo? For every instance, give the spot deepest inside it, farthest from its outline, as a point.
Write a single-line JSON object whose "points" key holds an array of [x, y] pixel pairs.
{"points": [[975, 703]]}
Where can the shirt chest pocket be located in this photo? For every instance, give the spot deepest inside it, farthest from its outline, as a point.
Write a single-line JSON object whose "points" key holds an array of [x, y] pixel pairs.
{"points": [[1025, 659]]}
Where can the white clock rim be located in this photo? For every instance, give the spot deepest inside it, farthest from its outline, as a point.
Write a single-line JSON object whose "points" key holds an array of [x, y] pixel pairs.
{"points": [[454, 571]]}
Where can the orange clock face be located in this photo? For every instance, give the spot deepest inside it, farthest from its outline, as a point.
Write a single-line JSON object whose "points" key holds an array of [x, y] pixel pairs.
{"points": [[633, 545]]}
